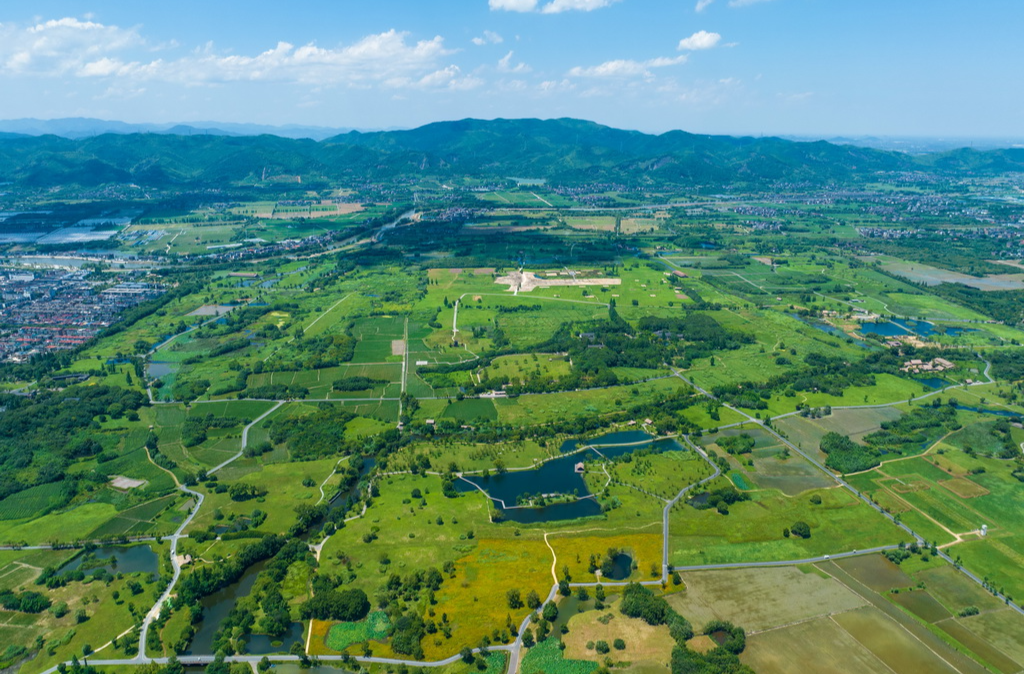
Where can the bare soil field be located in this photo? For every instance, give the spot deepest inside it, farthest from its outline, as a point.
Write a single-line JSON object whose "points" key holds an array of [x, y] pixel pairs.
{"points": [[527, 281], [891, 644], [760, 599], [816, 646]]}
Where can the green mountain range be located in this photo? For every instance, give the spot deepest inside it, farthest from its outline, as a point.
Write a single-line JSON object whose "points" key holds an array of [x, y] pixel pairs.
{"points": [[561, 150]]}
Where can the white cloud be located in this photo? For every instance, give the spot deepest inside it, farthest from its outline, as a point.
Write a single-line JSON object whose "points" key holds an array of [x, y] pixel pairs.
{"points": [[450, 77], [489, 37], [702, 5], [383, 58], [513, 5], [505, 65], [552, 7], [622, 68], [70, 47], [60, 46], [558, 6], [699, 40]]}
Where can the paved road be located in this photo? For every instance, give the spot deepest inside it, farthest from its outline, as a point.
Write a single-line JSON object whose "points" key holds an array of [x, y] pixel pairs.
{"points": [[245, 438]]}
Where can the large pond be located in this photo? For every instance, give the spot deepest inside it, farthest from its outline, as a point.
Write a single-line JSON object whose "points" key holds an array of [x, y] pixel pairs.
{"points": [[899, 327], [559, 477], [127, 559]]}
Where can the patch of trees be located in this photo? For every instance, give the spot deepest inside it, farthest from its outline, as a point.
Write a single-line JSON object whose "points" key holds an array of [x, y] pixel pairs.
{"points": [[597, 346], [265, 595], [312, 353], [1002, 431], [357, 383], [40, 436], [737, 444], [193, 429], [228, 347], [207, 579], [187, 390], [347, 605], [640, 602], [244, 491], [26, 602], [313, 435], [519, 308], [719, 499], [846, 456], [733, 639], [1007, 364], [911, 432], [801, 529]]}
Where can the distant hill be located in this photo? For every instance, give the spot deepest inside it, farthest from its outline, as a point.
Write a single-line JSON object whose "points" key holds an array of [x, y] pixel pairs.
{"points": [[561, 150], [85, 127]]}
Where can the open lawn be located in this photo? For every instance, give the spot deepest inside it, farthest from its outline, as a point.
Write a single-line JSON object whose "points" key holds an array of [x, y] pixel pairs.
{"points": [[284, 491], [753, 530], [644, 643]]}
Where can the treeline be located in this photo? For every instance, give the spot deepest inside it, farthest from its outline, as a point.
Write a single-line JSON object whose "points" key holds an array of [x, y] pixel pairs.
{"points": [[207, 579], [357, 383]]}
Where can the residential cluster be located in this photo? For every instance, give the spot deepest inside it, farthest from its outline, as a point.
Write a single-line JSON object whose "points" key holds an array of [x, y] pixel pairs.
{"points": [[53, 310]]}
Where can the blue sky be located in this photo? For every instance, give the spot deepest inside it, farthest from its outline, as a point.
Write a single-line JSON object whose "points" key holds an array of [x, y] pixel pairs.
{"points": [[807, 67]]}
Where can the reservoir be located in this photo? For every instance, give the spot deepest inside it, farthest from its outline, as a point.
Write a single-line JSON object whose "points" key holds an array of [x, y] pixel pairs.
{"points": [[559, 477]]}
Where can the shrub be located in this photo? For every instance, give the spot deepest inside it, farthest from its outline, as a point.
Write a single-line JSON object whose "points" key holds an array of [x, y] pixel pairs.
{"points": [[619, 645], [601, 647], [801, 529]]}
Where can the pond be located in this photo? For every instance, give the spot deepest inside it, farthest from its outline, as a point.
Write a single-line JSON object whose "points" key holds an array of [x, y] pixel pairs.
{"points": [[828, 329], [261, 644], [622, 567], [933, 382], [159, 369], [559, 477], [125, 559], [898, 327]]}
